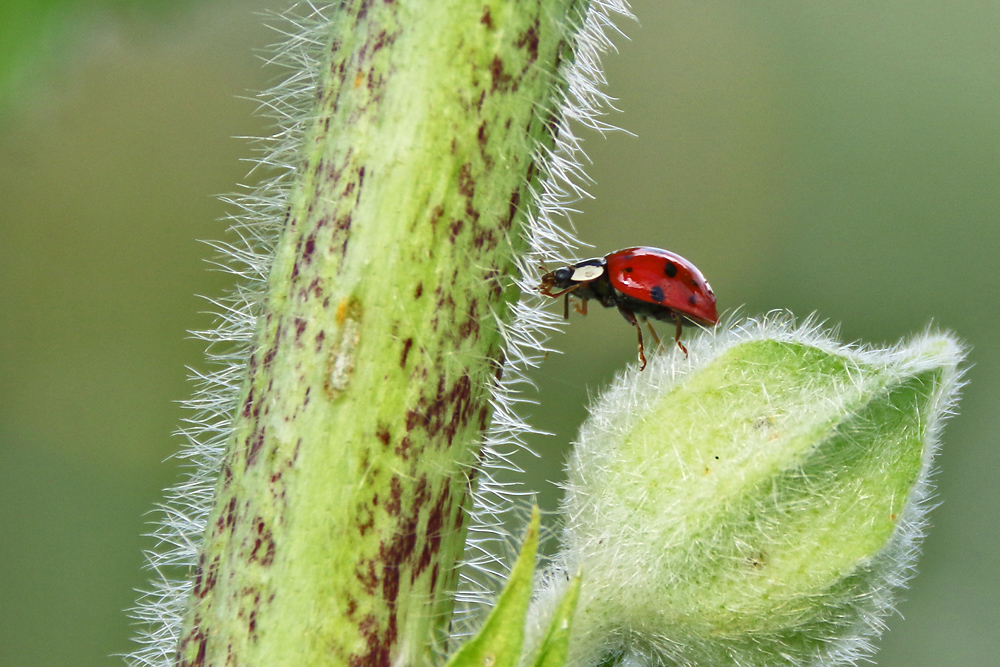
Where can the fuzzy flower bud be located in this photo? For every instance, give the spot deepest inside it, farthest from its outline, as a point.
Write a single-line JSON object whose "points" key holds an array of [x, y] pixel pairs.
{"points": [[755, 504]]}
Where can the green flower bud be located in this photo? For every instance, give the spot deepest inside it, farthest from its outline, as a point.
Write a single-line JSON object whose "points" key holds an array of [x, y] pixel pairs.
{"points": [[754, 504]]}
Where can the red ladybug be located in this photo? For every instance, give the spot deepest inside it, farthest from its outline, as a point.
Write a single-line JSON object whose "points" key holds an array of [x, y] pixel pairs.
{"points": [[643, 282]]}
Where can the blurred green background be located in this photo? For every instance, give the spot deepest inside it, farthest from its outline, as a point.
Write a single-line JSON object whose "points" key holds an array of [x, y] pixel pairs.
{"points": [[836, 157]]}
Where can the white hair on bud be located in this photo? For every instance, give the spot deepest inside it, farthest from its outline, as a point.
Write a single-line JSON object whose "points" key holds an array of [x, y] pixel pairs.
{"points": [[628, 401]]}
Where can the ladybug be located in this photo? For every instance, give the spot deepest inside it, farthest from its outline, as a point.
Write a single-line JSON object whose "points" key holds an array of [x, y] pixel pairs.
{"points": [[642, 283]]}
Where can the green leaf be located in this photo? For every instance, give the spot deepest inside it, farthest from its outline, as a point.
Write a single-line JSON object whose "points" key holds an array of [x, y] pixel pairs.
{"points": [[555, 646], [498, 643]]}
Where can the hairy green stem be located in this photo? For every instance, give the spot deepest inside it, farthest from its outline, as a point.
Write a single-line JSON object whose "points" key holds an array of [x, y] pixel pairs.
{"points": [[338, 516]]}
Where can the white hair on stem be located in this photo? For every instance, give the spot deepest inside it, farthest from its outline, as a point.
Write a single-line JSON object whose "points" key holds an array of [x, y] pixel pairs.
{"points": [[256, 223], [490, 547]]}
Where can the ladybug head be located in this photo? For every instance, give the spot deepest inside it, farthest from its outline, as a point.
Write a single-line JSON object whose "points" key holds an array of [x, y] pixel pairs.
{"points": [[569, 278], [561, 277]]}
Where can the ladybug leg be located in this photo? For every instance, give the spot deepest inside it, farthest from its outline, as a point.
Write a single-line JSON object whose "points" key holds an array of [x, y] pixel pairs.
{"points": [[581, 306], [545, 289], [630, 318], [677, 337], [656, 337]]}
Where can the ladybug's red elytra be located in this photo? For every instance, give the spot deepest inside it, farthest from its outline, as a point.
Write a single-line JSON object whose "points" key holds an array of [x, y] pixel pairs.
{"points": [[642, 283]]}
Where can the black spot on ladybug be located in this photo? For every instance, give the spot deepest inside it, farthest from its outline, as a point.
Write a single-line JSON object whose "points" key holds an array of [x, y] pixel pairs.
{"points": [[692, 299], [656, 293], [670, 269], [628, 269]]}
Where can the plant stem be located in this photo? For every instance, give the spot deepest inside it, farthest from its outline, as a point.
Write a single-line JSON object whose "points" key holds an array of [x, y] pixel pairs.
{"points": [[338, 516]]}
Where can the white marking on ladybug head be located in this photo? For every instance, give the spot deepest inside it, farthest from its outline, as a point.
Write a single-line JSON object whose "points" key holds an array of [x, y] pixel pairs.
{"points": [[586, 272]]}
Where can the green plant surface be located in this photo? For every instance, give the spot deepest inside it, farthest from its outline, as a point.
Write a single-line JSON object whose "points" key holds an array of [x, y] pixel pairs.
{"points": [[755, 504], [554, 648], [339, 514], [498, 643]]}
